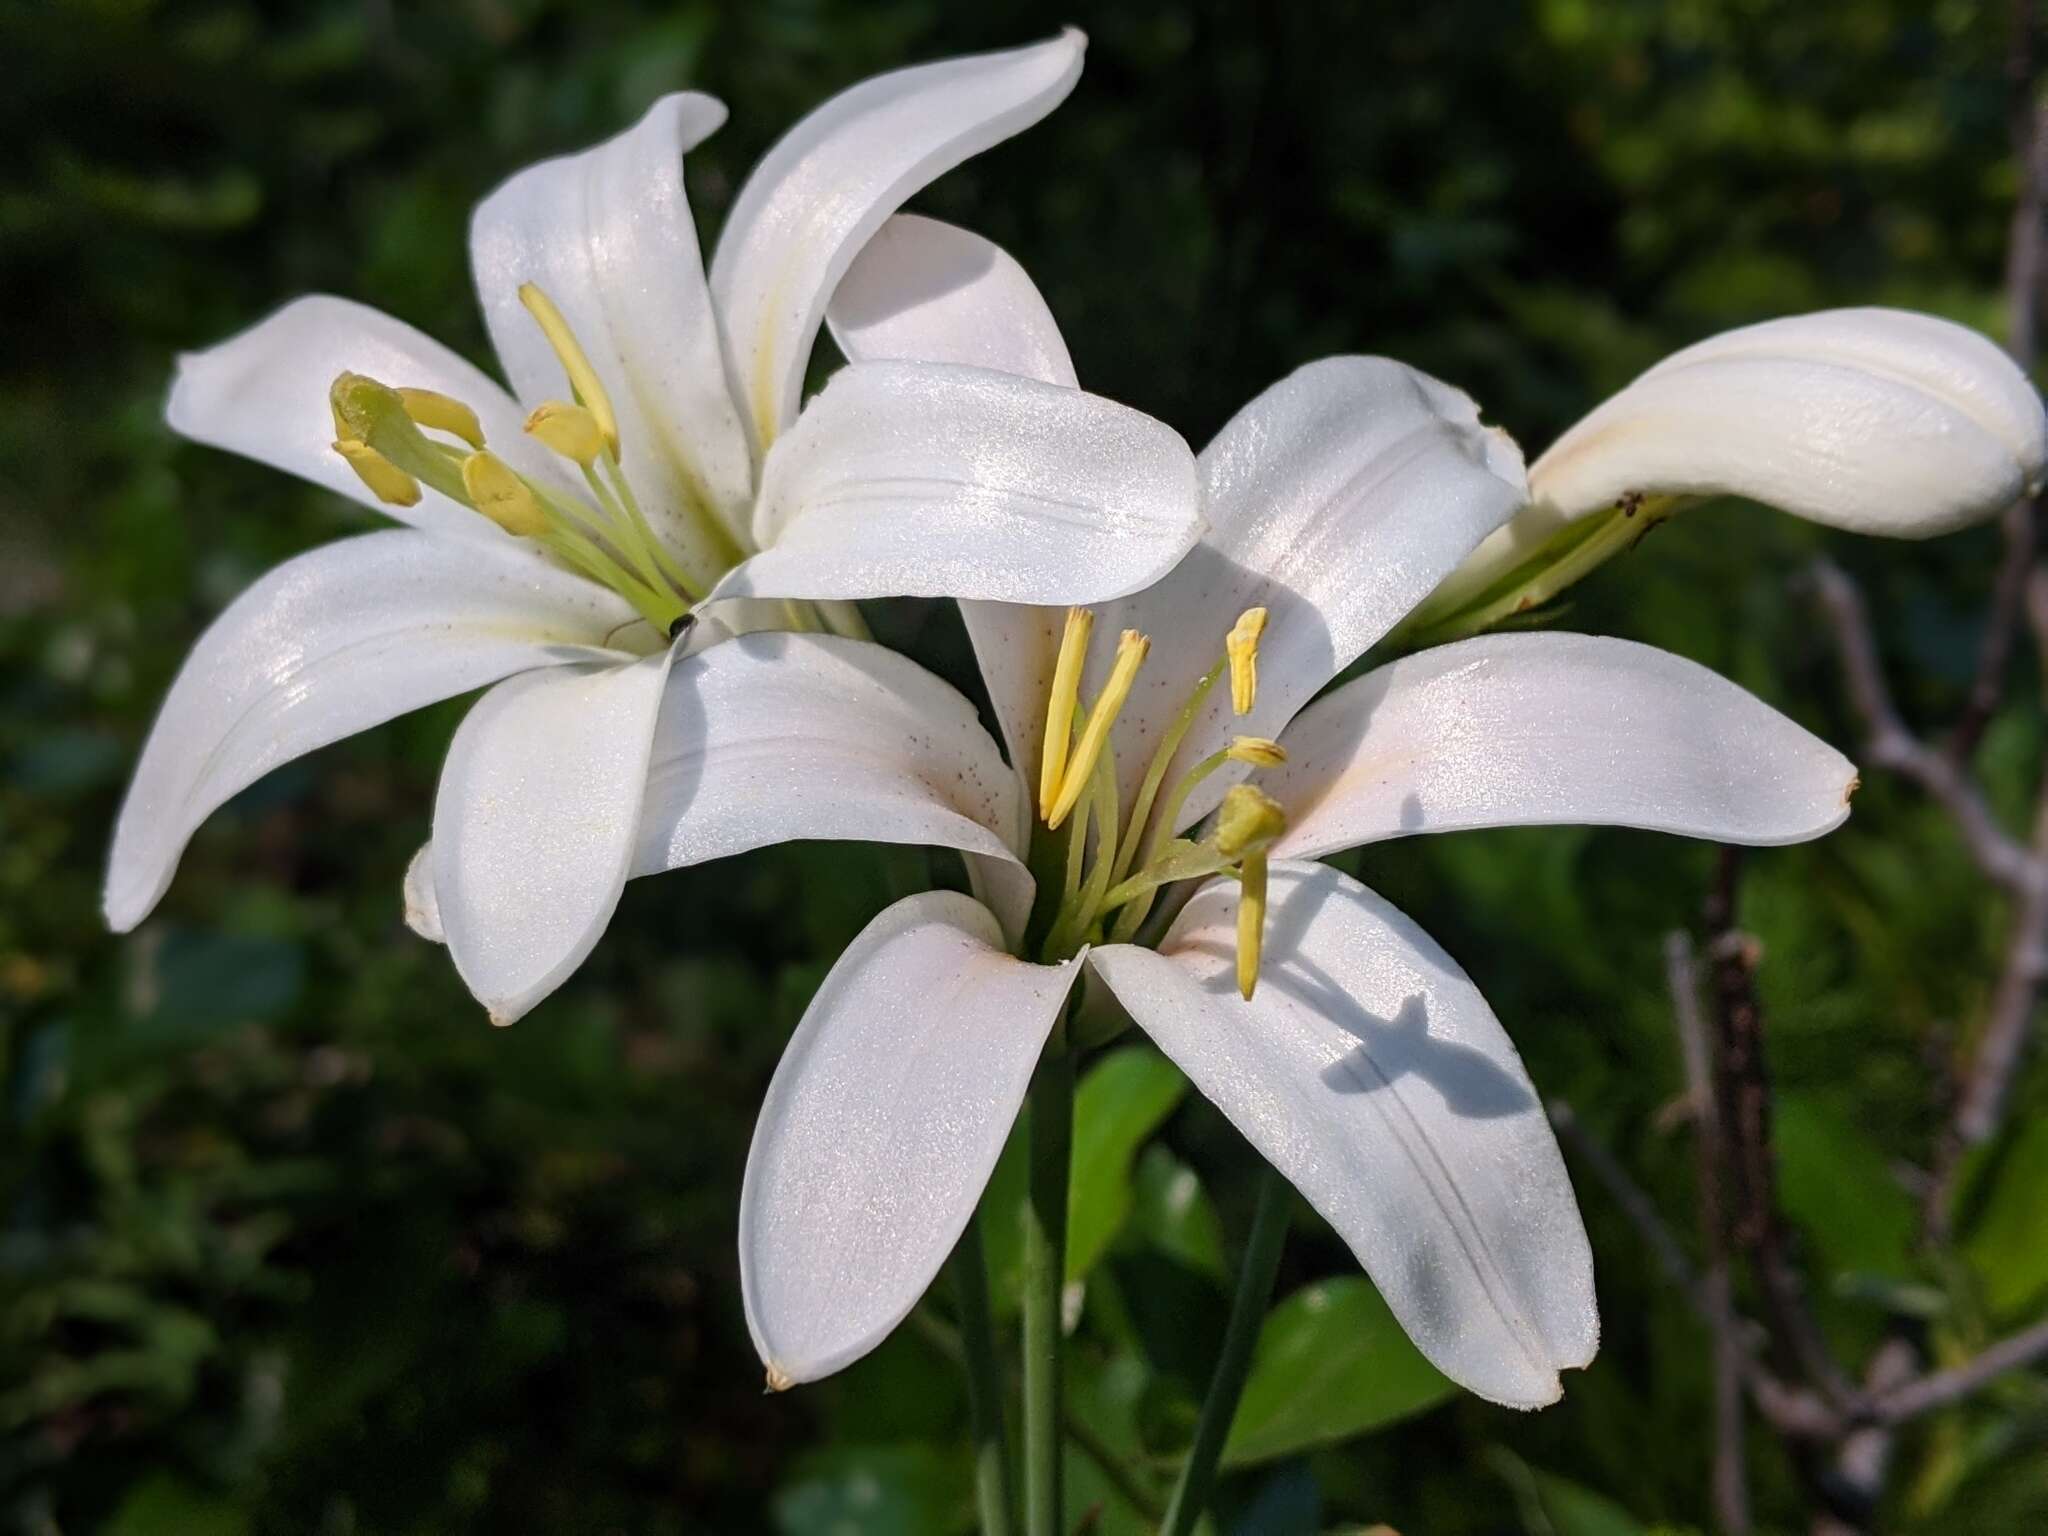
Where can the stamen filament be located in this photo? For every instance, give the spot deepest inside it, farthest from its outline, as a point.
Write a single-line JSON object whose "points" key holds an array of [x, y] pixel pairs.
{"points": [[1130, 655], [663, 561], [1251, 922], [583, 379], [1155, 771], [1059, 711]]}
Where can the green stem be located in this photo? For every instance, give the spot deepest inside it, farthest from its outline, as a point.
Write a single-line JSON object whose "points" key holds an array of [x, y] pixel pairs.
{"points": [[984, 1383], [1045, 1265], [1226, 1386]]}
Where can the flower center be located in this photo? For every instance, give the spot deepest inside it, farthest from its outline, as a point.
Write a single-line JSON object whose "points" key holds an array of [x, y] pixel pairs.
{"points": [[1111, 867], [382, 432]]}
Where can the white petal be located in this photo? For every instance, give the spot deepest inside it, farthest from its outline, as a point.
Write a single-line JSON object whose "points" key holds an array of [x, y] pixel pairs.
{"points": [[1875, 420], [881, 1127], [422, 910], [263, 394], [923, 291], [936, 480], [328, 644], [926, 292], [1337, 499], [772, 738], [1368, 1070], [535, 822], [820, 193], [607, 235], [1536, 729]]}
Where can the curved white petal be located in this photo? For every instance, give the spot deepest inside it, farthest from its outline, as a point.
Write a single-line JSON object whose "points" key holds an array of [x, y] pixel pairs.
{"points": [[535, 822], [422, 910], [773, 738], [881, 1127], [330, 643], [1337, 499], [936, 480], [923, 291], [1536, 729], [607, 235], [818, 195], [263, 394], [926, 292], [1368, 1070]]}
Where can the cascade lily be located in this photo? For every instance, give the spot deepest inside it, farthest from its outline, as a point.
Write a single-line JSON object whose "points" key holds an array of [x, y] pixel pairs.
{"points": [[1878, 421], [559, 544], [1174, 738]]}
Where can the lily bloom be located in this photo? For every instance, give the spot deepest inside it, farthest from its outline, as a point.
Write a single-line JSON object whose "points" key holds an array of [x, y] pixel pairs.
{"points": [[1170, 740], [650, 457], [1878, 421]]}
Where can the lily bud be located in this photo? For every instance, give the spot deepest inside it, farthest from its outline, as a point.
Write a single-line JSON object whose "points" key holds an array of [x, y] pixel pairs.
{"points": [[1250, 821]]}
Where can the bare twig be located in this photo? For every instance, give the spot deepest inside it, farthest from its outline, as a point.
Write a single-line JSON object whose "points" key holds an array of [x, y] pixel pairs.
{"points": [[1730, 1467], [1951, 1386], [1743, 1095]]}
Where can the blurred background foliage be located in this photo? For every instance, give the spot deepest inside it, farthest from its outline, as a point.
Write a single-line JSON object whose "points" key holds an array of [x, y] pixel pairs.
{"points": [[292, 1242]]}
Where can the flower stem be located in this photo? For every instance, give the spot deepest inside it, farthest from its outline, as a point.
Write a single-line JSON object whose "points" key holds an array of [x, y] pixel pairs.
{"points": [[1045, 1265], [1247, 1311], [984, 1383]]}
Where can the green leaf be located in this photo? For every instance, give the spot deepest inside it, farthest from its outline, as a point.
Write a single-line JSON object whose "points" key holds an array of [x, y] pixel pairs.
{"points": [[1821, 1155], [891, 1490], [166, 1503], [1556, 1506], [2004, 1246], [1331, 1362], [1124, 1098], [1174, 1214]]}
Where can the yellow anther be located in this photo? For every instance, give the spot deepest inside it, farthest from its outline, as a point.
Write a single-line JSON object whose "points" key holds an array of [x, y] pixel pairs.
{"points": [[430, 408], [1251, 922], [583, 378], [1250, 822], [502, 496], [570, 430], [1242, 646], [1130, 655], [387, 482], [1259, 751], [1059, 712]]}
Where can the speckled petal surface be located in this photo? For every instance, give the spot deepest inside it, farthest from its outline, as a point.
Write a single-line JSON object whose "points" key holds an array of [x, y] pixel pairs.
{"points": [[1371, 1073], [817, 196], [772, 738], [937, 480], [535, 823], [333, 642], [607, 234], [263, 394], [1336, 500], [1531, 729], [881, 1127]]}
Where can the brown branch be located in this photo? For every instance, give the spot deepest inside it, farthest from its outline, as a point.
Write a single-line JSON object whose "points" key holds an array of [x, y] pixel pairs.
{"points": [[1743, 1105], [1945, 1388], [1729, 1477]]}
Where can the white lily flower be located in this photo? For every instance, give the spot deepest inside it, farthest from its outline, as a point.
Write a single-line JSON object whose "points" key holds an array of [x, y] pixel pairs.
{"points": [[1349, 1049], [1878, 421], [653, 452]]}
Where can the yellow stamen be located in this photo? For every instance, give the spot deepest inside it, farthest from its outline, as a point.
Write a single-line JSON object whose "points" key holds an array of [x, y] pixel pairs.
{"points": [[570, 430], [1130, 655], [502, 496], [387, 482], [1059, 713], [1251, 922], [1242, 646], [1250, 821], [583, 378], [1259, 751], [430, 408]]}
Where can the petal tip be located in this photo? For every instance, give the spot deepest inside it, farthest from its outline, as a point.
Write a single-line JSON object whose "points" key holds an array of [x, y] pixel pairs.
{"points": [[778, 1380]]}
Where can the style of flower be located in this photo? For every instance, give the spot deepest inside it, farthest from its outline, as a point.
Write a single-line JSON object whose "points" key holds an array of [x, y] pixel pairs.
{"points": [[1878, 421], [1350, 1050], [654, 460]]}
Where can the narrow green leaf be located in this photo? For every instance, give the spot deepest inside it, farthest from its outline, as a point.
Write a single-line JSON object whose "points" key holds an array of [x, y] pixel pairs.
{"points": [[1124, 1098], [1174, 1214], [2005, 1244], [1331, 1363]]}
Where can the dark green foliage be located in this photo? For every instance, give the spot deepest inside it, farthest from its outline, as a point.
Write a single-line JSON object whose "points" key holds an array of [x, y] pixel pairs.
{"points": [[292, 1242]]}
